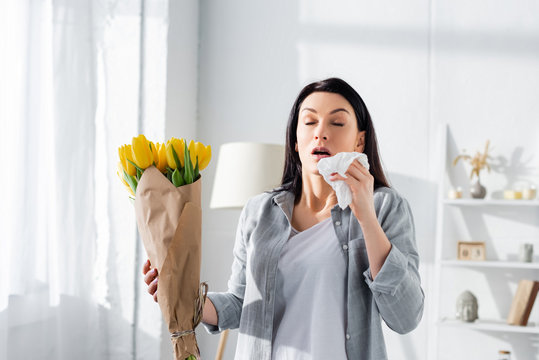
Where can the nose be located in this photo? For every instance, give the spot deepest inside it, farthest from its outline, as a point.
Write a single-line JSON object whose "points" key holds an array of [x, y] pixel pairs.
{"points": [[321, 132]]}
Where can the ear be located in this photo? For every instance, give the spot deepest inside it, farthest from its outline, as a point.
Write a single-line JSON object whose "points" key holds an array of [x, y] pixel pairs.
{"points": [[360, 141], [296, 147]]}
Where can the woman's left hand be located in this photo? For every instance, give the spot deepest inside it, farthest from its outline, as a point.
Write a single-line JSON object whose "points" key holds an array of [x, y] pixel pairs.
{"points": [[361, 184]]}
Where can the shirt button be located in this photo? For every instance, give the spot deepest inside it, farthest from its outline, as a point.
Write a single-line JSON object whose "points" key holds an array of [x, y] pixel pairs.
{"points": [[347, 336], [345, 247], [337, 223]]}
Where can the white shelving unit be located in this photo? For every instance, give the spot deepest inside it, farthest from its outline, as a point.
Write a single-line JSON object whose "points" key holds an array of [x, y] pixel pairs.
{"points": [[490, 264], [490, 202], [491, 325], [451, 274]]}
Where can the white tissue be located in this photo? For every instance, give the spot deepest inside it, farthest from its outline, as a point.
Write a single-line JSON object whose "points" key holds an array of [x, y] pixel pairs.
{"points": [[339, 164]]}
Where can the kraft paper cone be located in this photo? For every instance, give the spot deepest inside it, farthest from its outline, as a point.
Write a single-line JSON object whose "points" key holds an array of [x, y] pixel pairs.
{"points": [[169, 220]]}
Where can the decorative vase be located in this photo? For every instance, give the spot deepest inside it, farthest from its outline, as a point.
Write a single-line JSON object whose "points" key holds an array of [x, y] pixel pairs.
{"points": [[477, 190]]}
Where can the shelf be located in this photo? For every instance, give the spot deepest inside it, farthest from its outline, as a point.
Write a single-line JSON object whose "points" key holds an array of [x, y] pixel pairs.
{"points": [[483, 202], [491, 264], [490, 325], [496, 221]]}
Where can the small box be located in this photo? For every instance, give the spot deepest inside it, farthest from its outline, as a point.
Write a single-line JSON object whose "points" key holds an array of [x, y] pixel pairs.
{"points": [[471, 250]]}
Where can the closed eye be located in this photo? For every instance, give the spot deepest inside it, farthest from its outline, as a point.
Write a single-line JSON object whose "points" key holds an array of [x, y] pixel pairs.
{"points": [[312, 123]]}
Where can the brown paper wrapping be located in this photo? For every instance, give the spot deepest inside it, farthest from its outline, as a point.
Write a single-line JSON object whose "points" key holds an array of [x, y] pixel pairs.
{"points": [[169, 222]]}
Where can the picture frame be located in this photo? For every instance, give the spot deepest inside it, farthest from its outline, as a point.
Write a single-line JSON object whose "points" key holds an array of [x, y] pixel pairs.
{"points": [[471, 251]]}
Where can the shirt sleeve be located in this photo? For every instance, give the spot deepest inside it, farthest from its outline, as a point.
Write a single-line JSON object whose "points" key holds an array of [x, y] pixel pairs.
{"points": [[397, 287], [229, 304]]}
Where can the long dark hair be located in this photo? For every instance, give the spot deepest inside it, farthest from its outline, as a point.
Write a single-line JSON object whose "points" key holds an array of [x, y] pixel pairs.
{"points": [[291, 180]]}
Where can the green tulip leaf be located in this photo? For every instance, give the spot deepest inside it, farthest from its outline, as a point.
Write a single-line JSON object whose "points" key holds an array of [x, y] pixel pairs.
{"points": [[177, 179], [135, 165], [188, 176], [132, 181], [196, 172], [176, 159]]}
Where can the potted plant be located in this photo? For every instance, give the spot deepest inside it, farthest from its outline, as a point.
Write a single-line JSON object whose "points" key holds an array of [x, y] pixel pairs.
{"points": [[478, 162]]}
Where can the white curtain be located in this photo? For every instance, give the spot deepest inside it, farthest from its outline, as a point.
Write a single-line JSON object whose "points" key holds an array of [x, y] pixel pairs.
{"points": [[78, 78]]}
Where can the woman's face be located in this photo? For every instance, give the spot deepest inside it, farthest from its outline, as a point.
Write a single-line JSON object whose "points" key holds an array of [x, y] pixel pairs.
{"points": [[327, 125]]}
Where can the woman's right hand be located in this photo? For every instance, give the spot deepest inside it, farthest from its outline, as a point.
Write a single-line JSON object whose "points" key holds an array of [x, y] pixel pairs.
{"points": [[150, 278]]}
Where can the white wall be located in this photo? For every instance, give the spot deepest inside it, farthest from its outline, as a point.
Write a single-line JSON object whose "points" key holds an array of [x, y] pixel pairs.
{"points": [[417, 64], [485, 85]]}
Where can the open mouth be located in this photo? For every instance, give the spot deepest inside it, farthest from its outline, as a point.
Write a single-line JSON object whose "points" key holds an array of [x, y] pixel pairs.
{"points": [[320, 152]]}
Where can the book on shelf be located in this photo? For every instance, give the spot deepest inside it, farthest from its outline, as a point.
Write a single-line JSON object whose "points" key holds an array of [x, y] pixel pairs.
{"points": [[522, 304]]}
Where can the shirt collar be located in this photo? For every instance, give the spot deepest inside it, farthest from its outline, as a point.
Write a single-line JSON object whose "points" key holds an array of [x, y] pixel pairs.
{"points": [[285, 200]]}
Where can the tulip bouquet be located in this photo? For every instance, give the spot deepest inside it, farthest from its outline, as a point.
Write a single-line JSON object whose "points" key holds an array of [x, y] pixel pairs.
{"points": [[171, 159], [164, 182]]}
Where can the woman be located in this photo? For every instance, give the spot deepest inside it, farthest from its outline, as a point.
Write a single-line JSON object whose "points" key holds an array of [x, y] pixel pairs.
{"points": [[309, 280]]}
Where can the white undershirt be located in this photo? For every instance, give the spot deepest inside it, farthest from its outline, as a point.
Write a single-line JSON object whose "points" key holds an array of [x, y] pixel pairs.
{"points": [[309, 315]]}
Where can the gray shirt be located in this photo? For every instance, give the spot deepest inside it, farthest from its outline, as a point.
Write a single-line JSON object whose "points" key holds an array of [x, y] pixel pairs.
{"points": [[394, 296], [309, 310]]}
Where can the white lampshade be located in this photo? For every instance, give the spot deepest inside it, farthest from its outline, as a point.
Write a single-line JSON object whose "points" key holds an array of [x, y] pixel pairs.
{"points": [[245, 170]]}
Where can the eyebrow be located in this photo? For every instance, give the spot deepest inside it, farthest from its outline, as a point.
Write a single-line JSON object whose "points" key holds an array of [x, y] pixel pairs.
{"points": [[332, 112]]}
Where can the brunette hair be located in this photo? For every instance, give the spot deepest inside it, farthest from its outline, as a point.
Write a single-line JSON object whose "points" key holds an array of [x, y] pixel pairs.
{"points": [[291, 180]]}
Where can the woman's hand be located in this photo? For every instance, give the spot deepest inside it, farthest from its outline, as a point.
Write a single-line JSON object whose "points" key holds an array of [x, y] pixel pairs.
{"points": [[150, 278], [361, 184]]}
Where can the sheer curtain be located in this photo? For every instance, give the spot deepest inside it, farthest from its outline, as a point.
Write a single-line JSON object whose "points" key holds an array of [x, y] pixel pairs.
{"points": [[78, 78]]}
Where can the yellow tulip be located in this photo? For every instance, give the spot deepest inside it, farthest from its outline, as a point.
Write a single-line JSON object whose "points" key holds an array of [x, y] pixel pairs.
{"points": [[128, 188], [155, 156], [141, 152], [120, 174], [203, 153], [204, 156], [161, 159], [178, 145], [121, 157], [126, 154]]}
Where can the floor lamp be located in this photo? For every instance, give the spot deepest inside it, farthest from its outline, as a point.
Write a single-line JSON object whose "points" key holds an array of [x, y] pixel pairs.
{"points": [[244, 170]]}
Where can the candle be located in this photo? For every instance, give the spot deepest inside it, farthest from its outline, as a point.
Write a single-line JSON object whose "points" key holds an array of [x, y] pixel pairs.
{"points": [[455, 193], [512, 194], [529, 193]]}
